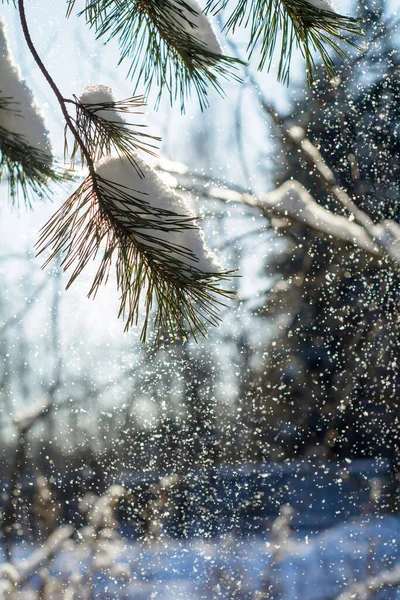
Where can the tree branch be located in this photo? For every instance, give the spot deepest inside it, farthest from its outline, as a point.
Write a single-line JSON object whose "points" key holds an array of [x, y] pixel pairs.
{"points": [[293, 205], [372, 585]]}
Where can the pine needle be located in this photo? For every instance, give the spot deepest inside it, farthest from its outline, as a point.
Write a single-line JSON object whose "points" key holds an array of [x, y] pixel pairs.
{"points": [[160, 51], [101, 136], [150, 273], [300, 25], [27, 170]]}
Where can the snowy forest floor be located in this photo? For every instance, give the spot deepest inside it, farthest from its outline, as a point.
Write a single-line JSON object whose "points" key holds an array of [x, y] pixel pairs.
{"points": [[305, 567]]}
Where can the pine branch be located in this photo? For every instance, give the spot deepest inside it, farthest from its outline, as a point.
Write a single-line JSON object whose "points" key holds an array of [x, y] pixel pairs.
{"points": [[27, 170], [135, 228], [103, 131], [148, 266], [159, 39], [302, 26], [25, 152]]}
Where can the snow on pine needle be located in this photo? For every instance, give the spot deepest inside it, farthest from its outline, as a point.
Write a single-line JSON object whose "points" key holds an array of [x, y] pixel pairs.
{"points": [[101, 123], [25, 150], [175, 233], [326, 5], [21, 116], [314, 26], [170, 44], [154, 239], [192, 19]]}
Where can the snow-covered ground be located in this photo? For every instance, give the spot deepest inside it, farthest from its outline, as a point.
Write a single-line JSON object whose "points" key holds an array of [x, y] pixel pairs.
{"points": [[304, 568]]}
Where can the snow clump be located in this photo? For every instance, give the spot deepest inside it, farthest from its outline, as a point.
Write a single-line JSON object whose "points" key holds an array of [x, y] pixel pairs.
{"points": [[119, 173], [197, 25], [326, 5], [21, 116], [94, 97]]}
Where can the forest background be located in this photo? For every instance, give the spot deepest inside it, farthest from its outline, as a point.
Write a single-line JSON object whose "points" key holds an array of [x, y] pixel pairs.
{"points": [[305, 362]]}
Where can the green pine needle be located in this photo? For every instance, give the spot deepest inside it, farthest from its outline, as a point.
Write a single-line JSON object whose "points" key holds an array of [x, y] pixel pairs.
{"points": [[160, 51], [300, 25], [27, 170], [151, 273], [101, 136]]}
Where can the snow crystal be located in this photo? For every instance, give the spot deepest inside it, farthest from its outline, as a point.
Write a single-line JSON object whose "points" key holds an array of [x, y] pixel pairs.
{"points": [[323, 5], [22, 116], [99, 95], [197, 25], [151, 189]]}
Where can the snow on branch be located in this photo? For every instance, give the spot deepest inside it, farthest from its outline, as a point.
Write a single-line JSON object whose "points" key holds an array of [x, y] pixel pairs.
{"points": [[25, 151], [14, 575], [311, 151], [195, 22], [21, 116], [376, 583], [101, 124], [292, 202], [170, 224], [158, 246], [169, 43], [312, 25], [27, 417], [326, 5], [385, 234]]}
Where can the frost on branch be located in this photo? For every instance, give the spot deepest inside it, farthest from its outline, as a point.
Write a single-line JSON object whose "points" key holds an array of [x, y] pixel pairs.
{"points": [[25, 151]]}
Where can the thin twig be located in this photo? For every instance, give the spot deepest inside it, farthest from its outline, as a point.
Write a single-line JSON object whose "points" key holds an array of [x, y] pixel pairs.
{"points": [[57, 93]]}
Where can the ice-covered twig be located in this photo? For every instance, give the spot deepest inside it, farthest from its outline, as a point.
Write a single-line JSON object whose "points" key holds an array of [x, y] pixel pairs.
{"points": [[376, 583]]}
